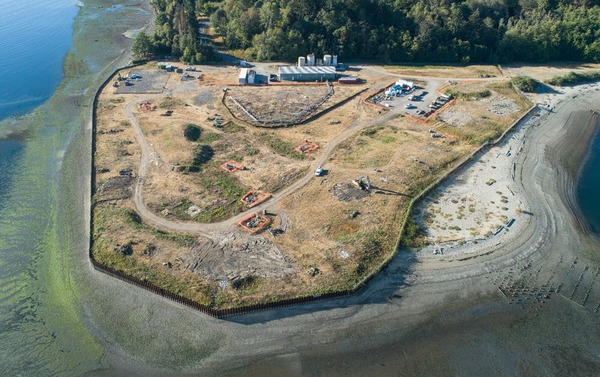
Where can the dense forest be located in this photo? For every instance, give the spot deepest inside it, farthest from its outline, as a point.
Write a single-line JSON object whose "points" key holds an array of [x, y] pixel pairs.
{"points": [[177, 33], [462, 31]]}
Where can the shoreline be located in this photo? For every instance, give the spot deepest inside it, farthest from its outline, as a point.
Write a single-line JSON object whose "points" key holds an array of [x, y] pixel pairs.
{"points": [[427, 293], [270, 329], [566, 150], [214, 344], [96, 325], [583, 160], [130, 324]]}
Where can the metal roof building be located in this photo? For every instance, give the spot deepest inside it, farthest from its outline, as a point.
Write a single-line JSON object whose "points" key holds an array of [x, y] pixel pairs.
{"points": [[306, 73]]}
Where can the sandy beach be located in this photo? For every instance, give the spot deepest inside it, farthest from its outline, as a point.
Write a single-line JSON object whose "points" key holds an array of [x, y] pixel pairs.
{"points": [[481, 206]]}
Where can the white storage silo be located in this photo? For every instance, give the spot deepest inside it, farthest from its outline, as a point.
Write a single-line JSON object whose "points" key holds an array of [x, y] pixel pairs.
{"points": [[334, 61], [319, 62], [327, 60], [301, 61], [310, 59]]}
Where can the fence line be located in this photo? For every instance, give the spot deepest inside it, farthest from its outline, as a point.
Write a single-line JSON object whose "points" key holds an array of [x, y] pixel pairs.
{"points": [[222, 313]]}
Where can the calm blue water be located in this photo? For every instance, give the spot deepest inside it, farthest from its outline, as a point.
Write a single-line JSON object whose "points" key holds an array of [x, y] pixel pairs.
{"points": [[35, 35], [588, 190]]}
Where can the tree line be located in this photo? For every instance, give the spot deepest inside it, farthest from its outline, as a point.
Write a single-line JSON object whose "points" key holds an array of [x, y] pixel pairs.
{"points": [[459, 31], [454, 31]]}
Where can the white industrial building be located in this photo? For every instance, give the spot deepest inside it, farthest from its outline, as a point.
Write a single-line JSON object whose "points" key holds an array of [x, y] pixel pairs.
{"points": [[247, 76], [307, 73], [250, 76]]}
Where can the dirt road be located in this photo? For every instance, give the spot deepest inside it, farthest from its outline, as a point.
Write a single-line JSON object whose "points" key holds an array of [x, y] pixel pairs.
{"points": [[148, 152]]}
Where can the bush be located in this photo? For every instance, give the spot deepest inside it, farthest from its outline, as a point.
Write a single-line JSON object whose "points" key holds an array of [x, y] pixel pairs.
{"points": [[192, 132], [414, 235], [203, 154], [525, 83], [574, 78]]}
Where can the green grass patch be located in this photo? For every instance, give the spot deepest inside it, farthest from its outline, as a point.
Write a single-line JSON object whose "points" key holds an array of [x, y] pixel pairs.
{"points": [[211, 138], [170, 102], [388, 139], [468, 96], [414, 235], [227, 187], [232, 128], [573, 78], [279, 146], [475, 133], [185, 286]]}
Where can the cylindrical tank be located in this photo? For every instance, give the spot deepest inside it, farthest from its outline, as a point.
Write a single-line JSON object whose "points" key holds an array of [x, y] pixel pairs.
{"points": [[301, 61], [334, 61], [327, 59], [319, 62], [310, 59]]}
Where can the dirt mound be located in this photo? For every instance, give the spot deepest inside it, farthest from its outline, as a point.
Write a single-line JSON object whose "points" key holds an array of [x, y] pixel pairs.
{"points": [[235, 255]]}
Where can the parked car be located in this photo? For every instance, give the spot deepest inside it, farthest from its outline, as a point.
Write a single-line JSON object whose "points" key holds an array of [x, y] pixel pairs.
{"points": [[135, 76], [190, 68]]}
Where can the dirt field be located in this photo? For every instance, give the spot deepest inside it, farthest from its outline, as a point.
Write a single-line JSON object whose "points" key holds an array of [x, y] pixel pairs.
{"points": [[466, 72], [544, 72], [172, 168]]}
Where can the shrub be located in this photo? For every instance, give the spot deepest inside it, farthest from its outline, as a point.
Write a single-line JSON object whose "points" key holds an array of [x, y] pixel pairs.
{"points": [[192, 132], [574, 78], [525, 83]]}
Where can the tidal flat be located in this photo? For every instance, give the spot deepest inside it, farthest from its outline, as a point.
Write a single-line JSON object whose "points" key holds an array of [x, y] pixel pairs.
{"points": [[60, 317]]}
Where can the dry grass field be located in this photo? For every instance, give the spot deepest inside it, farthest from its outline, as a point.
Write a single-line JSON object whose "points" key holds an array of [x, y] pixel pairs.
{"points": [[464, 72], [325, 232]]}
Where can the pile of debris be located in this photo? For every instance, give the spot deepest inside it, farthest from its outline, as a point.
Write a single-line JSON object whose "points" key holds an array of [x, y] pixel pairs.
{"points": [[232, 166], [307, 147], [358, 189]]}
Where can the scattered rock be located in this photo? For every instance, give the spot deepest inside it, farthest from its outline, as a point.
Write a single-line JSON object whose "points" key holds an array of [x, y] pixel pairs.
{"points": [[193, 211], [235, 254], [126, 172], [126, 249], [149, 250]]}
